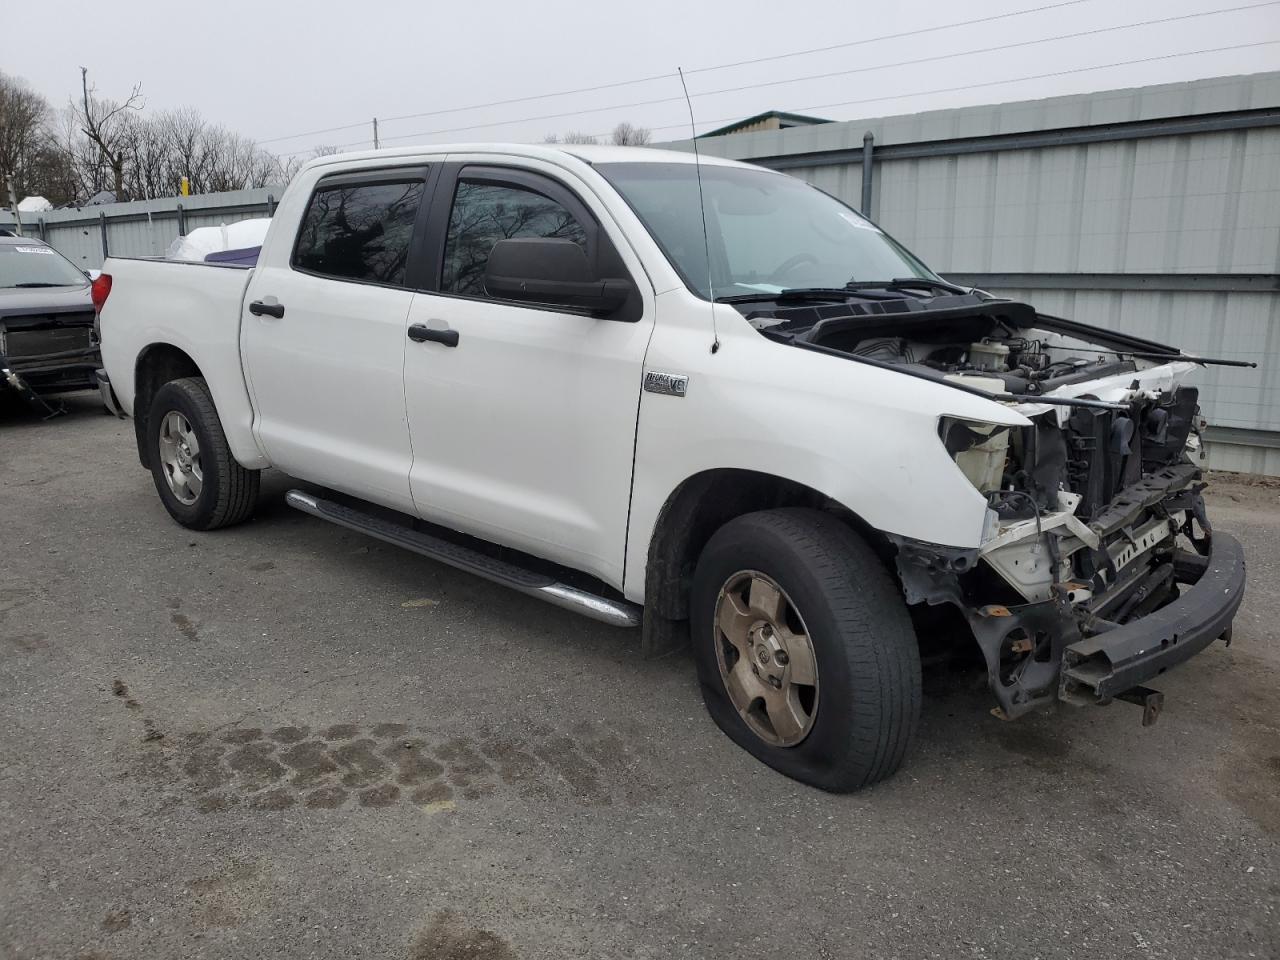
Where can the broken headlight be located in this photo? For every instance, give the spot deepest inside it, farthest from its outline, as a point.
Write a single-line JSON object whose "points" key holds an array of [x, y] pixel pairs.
{"points": [[978, 449]]}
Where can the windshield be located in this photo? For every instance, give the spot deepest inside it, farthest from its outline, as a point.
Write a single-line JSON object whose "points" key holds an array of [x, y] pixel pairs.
{"points": [[35, 265], [767, 231]]}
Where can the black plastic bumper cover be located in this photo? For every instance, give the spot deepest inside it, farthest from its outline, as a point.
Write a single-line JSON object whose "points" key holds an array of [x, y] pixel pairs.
{"points": [[1109, 663]]}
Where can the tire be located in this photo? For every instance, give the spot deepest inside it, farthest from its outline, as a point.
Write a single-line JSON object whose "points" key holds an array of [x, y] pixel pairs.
{"points": [[865, 699], [226, 493]]}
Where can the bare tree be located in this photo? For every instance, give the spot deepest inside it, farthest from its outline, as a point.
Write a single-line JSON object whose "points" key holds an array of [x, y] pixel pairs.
{"points": [[569, 136], [97, 145], [29, 155], [111, 126], [174, 144], [629, 135], [23, 113], [287, 167], [87, 168], [624, 135]]}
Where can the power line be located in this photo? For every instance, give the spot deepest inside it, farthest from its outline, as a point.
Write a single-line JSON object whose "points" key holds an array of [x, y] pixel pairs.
{"points": [[1003, 46], [936, 90], [994, 83], [821, 76], [312, 133], [667, 76], [840, 73]]}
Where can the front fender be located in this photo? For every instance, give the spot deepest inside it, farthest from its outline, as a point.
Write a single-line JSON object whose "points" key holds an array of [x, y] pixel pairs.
{"points": [[865, 437]]}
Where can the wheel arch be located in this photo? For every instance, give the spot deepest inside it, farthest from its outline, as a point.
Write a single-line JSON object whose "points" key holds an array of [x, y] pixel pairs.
{"points": [[156, 365], [698, 507]]}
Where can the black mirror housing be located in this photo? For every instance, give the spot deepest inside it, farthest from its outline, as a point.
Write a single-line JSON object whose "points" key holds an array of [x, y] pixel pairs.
{"points": [[548, 270]]}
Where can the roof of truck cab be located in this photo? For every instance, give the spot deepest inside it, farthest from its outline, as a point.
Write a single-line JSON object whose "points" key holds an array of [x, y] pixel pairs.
{"points": [[588, 153]]}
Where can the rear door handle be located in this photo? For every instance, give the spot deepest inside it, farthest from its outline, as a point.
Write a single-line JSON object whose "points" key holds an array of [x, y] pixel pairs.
{"points": [[260, 309], [420, 332]]}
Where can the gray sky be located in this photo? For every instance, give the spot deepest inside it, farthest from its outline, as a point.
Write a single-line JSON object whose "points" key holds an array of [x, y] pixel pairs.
{"points": [[271, 69]]}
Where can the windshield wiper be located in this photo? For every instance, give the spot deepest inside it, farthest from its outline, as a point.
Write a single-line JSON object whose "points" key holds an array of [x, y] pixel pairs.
{"points": [[857, 288], [792, 293], [905, 283], [30, 284]]}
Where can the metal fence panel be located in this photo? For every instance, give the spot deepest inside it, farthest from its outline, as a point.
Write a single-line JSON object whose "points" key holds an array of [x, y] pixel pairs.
{"points": [[841, 180], [142, 228]]}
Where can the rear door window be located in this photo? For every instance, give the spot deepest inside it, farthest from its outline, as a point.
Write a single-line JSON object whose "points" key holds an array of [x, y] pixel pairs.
{"points": [[359, 232]]}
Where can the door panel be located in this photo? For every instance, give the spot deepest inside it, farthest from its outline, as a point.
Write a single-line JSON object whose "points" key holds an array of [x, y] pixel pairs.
{"points": [[523, 433], [324, 337], [327, 385]]}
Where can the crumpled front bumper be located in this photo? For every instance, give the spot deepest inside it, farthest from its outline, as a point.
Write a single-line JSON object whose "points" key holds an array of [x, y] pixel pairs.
{"points": [[1109, 663]]}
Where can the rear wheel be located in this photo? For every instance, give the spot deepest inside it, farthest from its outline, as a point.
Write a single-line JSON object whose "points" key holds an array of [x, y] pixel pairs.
{"points": [[805, 651], [199, 481]]}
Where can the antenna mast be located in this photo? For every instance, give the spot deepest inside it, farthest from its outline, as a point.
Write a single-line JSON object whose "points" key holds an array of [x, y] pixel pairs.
{"points": [[702, 208]]}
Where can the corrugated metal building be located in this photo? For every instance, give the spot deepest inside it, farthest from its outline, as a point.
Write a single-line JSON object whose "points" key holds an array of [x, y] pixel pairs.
{"points": [[1154, 210]]}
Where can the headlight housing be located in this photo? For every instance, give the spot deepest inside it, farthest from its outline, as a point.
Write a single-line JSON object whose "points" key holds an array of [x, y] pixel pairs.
{"points": [[979, 449]]}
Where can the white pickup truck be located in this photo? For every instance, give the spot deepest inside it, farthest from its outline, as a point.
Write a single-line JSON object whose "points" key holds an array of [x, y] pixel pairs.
{"points": [[702, 397]]}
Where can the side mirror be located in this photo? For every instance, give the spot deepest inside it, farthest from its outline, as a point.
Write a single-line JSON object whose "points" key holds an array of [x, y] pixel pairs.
{"points": [[551, 271]]}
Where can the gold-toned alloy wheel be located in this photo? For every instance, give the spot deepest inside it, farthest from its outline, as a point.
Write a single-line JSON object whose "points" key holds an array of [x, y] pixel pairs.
{"points": [[766, 658]]}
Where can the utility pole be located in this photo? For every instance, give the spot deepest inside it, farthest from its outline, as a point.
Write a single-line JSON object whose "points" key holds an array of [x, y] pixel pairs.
{"points": [[13, 205], [376, 145]]}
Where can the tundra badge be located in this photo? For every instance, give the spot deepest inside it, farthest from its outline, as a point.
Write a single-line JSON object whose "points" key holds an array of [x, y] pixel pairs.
{"points": [[672, 384]]}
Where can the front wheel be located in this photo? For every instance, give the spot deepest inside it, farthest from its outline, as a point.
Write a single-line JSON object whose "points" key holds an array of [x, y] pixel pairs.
{"points": [[805, 652], [199, 481]]}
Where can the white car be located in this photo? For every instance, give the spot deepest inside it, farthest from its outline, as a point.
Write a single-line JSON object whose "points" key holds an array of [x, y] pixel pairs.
{"points": [[702, 397]]}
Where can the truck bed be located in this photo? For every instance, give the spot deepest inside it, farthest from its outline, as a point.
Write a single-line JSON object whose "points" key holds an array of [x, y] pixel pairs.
{"points": [[193, 308]]}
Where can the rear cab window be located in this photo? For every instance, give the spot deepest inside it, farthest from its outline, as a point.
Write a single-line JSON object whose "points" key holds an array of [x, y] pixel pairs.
{"points": [[360, 228]]}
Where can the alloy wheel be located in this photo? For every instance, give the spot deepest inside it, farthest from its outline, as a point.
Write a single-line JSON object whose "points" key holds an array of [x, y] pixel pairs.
{"points": [[180, 457], [766, 658]]}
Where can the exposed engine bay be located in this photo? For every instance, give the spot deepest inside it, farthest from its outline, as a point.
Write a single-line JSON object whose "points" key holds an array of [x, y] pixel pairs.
{"points": [[992, 345], [1095, 517]]}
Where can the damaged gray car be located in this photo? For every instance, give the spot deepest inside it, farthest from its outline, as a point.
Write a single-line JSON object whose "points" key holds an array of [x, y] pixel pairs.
{"points": [[48, 343]]}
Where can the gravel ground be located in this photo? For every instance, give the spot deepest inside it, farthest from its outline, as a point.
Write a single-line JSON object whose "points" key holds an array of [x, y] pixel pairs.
{"points": [[287, 740]]}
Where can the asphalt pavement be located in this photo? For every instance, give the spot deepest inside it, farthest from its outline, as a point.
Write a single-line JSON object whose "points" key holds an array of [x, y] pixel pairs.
{"points": [[288, 740]]}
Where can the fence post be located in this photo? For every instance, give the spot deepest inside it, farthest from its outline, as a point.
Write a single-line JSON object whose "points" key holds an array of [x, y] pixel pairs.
{"points": [[271, 205], [42, 234], [102, 226], [868, 147], [182, 221]]}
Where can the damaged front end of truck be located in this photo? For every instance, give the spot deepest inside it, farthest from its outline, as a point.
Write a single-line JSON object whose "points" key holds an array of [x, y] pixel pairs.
{"points": [[1098, 567]]}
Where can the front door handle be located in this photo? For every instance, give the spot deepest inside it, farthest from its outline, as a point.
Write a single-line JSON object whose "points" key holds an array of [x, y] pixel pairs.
{"points": [[260, 309], [420, 332]]}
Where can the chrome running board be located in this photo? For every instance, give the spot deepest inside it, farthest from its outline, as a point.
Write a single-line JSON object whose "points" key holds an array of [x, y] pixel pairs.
{"points": [[617, 613]]}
